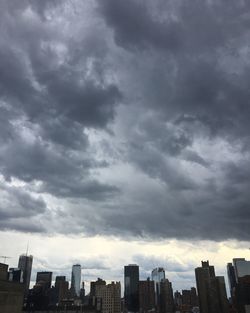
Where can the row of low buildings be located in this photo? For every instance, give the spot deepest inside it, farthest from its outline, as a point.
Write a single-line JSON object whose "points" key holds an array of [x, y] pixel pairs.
{"points": [[154, 294]]}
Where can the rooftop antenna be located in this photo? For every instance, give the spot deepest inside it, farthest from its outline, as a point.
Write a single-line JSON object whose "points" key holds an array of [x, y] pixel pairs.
{"points": [[27, 248]]}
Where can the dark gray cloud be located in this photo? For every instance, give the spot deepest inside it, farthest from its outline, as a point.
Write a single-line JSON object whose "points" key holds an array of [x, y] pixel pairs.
{"points": [[172, 162], [21, 211]]}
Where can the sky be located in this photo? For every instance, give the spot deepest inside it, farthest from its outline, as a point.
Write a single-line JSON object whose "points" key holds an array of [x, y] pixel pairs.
{"points": [[124, 135]]}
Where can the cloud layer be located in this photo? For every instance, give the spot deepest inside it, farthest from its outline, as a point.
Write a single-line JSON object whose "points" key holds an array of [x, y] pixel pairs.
{"points": [[125, 118]]}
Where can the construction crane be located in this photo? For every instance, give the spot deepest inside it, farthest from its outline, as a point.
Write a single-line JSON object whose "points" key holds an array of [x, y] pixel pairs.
{"points": [[5, 257]]}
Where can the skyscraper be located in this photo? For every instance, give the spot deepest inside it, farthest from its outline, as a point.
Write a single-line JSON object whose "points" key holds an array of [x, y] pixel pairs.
{"points": [[158, 275], [211, 290], [25, 265], [45, 278], [146, 295], [239, 280], [76, 280], [131, 288], [166, 297]]}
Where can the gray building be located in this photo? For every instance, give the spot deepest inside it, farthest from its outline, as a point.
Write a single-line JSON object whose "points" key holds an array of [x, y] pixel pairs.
{"points": [[211, 290], [158, 275], [76, 280], [131, 287], [25, 265]]}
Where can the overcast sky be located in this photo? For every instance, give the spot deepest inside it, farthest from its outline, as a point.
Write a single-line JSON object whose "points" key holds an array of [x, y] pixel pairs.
{"points": [[125, 134]]}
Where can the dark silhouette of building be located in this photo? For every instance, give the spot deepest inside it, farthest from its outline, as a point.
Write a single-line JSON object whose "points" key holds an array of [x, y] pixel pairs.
{"points": [[239, 282], [231, 278], [146, 295], [15, 274], [131, 287], [211, 290], [61, 288], [166, 297], [44, 278], [11, 293], [25, 265]]}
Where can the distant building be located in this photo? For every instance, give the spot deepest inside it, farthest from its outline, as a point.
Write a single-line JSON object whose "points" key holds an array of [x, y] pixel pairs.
{"points": [[158, 275], [15, 274], [44, 278], [106, 298], [111, 301], [166, 297], [76, 280], [131, 287], [62, 288], [177, 299], [241, 268], [239, 281], [11, 293], [25, 265], [146, 295], [211, 290]]}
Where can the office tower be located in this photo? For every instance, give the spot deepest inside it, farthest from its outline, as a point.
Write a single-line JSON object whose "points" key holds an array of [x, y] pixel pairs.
{"points": [[239, 280], [166, 297], [231, 278], [97, 292], [146, 295], [25, 265], [15, 274], [76, 280], [241, 268], [158, 274], [82, 292], [177, 299], [94, 285], [11, 293], [62, 288], [211, 290], [111, 301], [131, 287], [194, 298], [44, 279], [190, 298]]}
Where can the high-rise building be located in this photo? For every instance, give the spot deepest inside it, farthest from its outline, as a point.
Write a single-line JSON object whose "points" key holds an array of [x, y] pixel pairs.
{"points": [[231, 278], [25, 265], [146, 295], [166, 297], [44, 279], [239, 281], [241, 268], [11, 293], [15, 274], [211, 290], [111, 301], [76, 280], [158, 275], [61, 287], [131, 287]]}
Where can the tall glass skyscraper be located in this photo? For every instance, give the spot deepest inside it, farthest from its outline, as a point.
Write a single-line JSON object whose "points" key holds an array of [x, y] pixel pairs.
{"points": [[25, 265], [131, 287], [158, 275], [76, 280]]}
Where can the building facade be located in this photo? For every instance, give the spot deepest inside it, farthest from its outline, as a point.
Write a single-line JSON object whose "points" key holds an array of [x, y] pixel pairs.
{"points": [[25, 265], [211, 290], [76, 280], [146, 295], [131, 287]]}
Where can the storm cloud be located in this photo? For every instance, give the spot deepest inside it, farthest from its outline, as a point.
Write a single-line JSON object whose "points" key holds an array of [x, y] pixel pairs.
{"points": [[125, 118]]}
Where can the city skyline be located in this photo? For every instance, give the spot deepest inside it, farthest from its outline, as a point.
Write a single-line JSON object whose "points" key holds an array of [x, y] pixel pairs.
{"points": [[85, 278]]}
